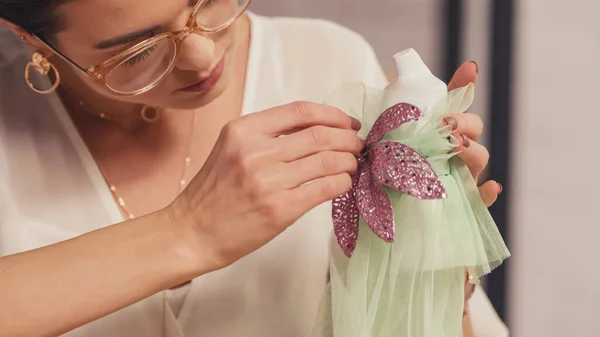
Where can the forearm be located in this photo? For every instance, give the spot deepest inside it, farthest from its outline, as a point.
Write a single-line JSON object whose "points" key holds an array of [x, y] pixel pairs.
{"points": [[51, 290]]}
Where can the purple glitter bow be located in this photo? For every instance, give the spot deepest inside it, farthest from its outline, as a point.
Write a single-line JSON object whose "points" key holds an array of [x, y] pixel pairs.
{"points": [[390, 164]]}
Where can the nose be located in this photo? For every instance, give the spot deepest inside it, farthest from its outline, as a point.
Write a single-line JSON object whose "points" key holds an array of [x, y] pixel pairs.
{"points": [[196, 53]]}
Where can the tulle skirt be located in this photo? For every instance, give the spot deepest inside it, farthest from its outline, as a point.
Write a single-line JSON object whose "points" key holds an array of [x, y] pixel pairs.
{"points": [[414, 287]]}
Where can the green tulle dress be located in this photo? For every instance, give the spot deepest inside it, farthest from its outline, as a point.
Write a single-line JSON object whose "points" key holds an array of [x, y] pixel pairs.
{"points": [[413, 286]]}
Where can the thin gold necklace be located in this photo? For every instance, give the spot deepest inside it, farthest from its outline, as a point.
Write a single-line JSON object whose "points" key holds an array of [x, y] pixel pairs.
{"points": [[182, 183]]}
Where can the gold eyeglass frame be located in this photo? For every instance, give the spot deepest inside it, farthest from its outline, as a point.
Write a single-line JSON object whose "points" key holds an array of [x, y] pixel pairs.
{"points": [[98, 73]]}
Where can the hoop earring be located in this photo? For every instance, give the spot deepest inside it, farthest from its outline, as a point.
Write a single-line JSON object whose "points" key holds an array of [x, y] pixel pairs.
{"points": [[41, 64], [150, 114]]}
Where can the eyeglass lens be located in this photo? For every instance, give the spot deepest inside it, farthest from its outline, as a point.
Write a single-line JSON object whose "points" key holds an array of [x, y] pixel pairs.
{"points": [[150, 65]]}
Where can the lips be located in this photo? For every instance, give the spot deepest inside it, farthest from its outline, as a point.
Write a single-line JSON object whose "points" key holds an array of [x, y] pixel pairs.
{"points": [[209, 81]]}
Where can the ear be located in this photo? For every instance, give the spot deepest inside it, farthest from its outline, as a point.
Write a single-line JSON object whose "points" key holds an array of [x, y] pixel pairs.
{"points": [[32, 41]]}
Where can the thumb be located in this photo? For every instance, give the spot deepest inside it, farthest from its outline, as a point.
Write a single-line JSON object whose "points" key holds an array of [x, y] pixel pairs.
{"points": [[466, 73]]}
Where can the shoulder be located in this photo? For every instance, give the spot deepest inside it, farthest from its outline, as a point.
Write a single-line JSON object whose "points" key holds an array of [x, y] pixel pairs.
{"points": [[309, 30], [320, 45]]}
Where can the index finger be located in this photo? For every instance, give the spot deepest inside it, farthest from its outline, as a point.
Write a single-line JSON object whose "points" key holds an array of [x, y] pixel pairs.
{"points": [[296, 116]]}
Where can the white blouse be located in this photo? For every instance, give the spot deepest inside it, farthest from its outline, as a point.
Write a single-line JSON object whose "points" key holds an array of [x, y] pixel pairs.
{"points": [[51, 190]]}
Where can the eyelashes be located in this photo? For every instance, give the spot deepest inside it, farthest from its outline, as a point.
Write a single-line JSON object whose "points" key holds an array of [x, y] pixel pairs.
{"points": [[141, 56]]}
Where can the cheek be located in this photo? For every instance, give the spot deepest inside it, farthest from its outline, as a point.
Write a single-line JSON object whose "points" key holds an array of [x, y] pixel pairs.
{"points": [[224, 41], [102, 92], [93, 86]]}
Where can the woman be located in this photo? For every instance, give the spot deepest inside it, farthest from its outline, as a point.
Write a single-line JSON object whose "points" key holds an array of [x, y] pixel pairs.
{"points": [[149, 96]]}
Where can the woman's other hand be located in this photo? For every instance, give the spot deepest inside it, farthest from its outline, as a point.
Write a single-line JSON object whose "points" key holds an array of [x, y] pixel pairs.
{"points": [[266, 170], [467, 129]]}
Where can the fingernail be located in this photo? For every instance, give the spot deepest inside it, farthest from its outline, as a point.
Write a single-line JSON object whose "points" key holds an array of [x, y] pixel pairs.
{"points": [[452, 122], [466, 141], [476, 66], [500, 185], [355, 123]]}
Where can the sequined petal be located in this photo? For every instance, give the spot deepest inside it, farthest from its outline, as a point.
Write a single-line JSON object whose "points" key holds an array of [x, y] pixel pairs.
{"points": [[400, 167], [391, 119], [375, 206], [345, 219]]}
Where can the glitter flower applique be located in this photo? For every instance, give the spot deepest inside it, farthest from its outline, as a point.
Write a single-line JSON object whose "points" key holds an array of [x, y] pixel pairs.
{"points": [[390, 164]]}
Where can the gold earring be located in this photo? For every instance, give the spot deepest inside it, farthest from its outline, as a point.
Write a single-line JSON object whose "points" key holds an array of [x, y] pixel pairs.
{"points": [[41, 64]]}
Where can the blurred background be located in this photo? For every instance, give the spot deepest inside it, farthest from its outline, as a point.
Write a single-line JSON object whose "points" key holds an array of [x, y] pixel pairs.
{"points": [[539, 65]]}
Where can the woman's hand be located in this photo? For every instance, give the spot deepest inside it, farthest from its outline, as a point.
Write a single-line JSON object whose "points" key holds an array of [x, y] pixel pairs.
{"points": [[467, 129], [266, 170]]}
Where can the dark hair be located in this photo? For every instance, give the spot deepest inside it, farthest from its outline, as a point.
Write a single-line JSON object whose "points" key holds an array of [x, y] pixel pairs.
{"points": [[37, 17]]}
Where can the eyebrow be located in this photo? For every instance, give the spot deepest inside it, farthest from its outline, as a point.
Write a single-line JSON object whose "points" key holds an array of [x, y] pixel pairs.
{"points": [[131, 37], [127, 38]]}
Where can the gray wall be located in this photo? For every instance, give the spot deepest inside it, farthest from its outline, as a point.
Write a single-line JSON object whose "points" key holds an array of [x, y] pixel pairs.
{"points": [[555, 288]]}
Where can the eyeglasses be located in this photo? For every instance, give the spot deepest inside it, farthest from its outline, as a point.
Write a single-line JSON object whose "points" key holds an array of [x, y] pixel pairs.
{"points": [[144, 65]]}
